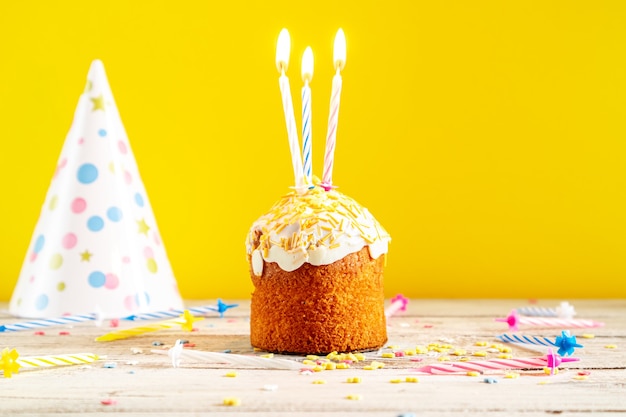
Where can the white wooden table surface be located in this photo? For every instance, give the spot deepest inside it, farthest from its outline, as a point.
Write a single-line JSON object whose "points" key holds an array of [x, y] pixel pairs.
{"points": [[145, 383]]}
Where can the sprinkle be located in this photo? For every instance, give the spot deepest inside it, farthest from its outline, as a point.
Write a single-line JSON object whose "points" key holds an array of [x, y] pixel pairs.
{"points": [[473, 373], [459, 352], [412, 379], [480, 353], [610, 346], [377, 365], [268, 355], [409, 352], [388, 355], [312, 357], [110, 365], [490, 381], [317, 368], [580, 377], [368, 368], [64, 333], [399, 354], [232, 401], [359, 356], [550, 371], [189, 345], [270, 387], [588, 336], [481, 343], [40, 333], [231, 374], [395, 380], [114, 323], [392, 347], [355, 397], [343, 366], [136, 351], [308, 362], [330, 366], [353, 380], [584, 373], [443, 358], [108, 401], [505, 356], [318, 381], [511, 375]]}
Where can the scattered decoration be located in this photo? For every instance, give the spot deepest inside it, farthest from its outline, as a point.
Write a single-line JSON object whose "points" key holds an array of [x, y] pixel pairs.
{"points": [[566, 343], [11, 362], [514, 320], [186, 322], [232, 401], [60, 321], [220, 308], [565, 311], [398, 303]]}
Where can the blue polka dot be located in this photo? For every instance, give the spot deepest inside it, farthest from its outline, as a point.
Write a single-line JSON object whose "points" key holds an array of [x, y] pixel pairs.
{"points": [[95, 223], [39, 243], [87, 173], [102, 133], [142, 299], [97, 279], [114, 214], [139, 200], [41, 302]]}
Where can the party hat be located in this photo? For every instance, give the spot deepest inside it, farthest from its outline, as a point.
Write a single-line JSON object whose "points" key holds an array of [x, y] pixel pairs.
{"points": [[96, 247]]}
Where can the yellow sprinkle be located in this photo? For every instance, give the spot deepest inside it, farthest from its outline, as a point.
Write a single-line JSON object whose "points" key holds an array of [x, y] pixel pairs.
{"points": [[392, 347], [343, 366], [473, 373], [412, 379], [480, 353], [332, 355], [588, 336], [377, 365], [368, 368], [359, 356], [459, 352], [580, 377], [232, 401], [481, 343], [395, 381], [318, 381], [506, 349], [312, 357], [505, 356], [464, 359], [317, 368], [353, 380], [258, 349], [352, 357], [330, 366], [511, 375], [443, 358], [308, 362], [231, 374], [543, 383], [610, 346], [409, 352], [354, 397], [548, 371], [268, 356], [388, 355]]}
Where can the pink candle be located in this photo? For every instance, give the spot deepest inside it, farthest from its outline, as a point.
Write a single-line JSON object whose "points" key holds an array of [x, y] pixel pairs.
{"points": [[339, 58], [283, 48], [514, 320]]}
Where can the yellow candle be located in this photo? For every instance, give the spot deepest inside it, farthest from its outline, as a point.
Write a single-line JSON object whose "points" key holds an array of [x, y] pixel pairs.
{"points": [[185, 321]]}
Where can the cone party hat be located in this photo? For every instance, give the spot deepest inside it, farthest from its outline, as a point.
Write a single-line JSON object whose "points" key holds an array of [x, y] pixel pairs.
{"points": [[96, 247]]}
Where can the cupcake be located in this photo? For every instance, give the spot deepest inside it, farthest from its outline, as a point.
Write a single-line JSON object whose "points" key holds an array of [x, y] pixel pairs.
{"points": [[316, 261]]}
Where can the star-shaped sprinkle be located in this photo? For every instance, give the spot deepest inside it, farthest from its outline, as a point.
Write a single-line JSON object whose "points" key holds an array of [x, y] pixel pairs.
{"points": [[566, 343], [86, 256], [143, 227], [98, 103], [8, 362]]}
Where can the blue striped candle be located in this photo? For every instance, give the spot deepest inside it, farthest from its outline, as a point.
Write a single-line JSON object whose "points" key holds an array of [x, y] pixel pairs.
{"points": [[307, 75]]}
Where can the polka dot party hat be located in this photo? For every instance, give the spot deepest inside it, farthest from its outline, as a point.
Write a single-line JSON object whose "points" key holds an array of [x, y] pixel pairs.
{"points": [[96, 247]]}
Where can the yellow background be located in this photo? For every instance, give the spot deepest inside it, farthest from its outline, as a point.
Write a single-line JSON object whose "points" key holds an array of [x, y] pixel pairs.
{"points": [[488, 137]]}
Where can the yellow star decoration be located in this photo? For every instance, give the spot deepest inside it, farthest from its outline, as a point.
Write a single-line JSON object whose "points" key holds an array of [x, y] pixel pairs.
{"points": [[189, 320], [143, 227], [8, 362], [98, 103], [86, 256]]}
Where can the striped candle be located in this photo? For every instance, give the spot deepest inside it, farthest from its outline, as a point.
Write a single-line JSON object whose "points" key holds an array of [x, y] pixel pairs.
{"points": [[522, 339], [186, 322], [514, 320], [56, 360], [339, 58], [35, 324], [566, 343], [494, 365], [282, 61], [220, 308], [565, 310], [177, 353], [307, 75]]}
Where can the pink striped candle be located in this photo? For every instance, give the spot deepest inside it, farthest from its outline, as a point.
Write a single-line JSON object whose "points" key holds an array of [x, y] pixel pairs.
{"points": [[551, 361], [307, 75], [339, 58], [514, 320], [282, 61]]}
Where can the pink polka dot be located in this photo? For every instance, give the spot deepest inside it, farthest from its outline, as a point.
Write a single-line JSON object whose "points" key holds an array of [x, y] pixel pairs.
{"points": [[69, 241], [81, 141], [32, 278], [129, 302], [157, 239], [126, 259], [147, 252], [79, 205], [33, 256], [112, 281], [127, 177], [122, 146]]}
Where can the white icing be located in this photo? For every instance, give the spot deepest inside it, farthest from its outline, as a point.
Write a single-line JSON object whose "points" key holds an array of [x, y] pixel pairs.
{"points": [[317, 227]]}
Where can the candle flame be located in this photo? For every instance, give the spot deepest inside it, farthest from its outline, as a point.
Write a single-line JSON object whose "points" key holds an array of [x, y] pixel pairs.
{"points": [[339, 51], [283, 48], [307, 65]]}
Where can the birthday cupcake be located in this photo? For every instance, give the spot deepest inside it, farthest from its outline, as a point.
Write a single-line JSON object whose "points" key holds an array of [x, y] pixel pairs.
{"points": [[316, 261]]}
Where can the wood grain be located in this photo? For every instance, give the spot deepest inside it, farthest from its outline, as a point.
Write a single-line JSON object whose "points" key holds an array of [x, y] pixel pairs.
{"points": [[151, 386]]}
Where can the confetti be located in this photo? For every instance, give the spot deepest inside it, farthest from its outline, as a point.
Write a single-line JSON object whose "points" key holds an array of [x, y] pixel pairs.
{"points": [[232, 401], [108, 401], [354, 397]]}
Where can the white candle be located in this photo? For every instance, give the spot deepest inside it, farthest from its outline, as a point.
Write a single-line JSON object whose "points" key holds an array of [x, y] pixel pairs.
{"points": [[283, 48], [307, 75], [339, 60]]}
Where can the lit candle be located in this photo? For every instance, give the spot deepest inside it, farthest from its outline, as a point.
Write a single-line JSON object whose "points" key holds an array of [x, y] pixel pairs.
{"points": [[283, 48], [339, 59], [307, 75]]}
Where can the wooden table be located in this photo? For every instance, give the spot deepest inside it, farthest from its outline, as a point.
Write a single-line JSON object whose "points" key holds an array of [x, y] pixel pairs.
{"points": [[147, 384]]}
